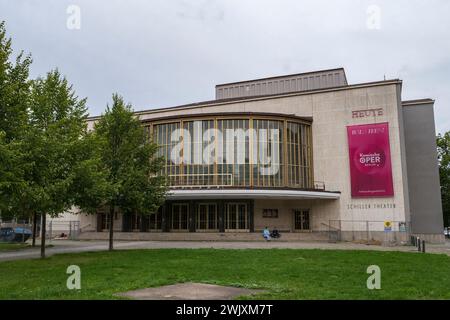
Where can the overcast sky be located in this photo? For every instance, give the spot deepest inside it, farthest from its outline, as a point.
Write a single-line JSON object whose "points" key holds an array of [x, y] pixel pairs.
{"points": [[159, 53]]}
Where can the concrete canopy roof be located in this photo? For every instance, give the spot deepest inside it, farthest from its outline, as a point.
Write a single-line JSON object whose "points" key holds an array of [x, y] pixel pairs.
{"points": [[187, 194]]}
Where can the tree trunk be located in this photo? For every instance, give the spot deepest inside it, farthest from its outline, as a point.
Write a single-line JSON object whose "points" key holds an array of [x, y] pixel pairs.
{"points": [[111, 227], [43, 236], [33, 243]]}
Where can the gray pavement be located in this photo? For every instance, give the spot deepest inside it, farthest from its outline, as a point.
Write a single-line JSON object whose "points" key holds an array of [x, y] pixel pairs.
{"points": [[69, 246]]}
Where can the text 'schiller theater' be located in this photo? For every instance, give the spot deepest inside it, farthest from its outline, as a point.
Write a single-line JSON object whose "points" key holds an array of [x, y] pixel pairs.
{"points": [[307, 154]]}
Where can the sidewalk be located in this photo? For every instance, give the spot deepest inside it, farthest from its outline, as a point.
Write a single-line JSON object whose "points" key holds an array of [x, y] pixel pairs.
{"points": [[69, 246]]}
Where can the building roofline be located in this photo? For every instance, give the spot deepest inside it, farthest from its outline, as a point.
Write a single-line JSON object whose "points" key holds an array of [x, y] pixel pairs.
{"points": [[243, 115], [284, 76], [261, 97], [417, 102]]}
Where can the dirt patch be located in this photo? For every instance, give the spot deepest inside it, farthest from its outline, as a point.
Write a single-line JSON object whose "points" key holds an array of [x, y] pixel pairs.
{"points": [[189, 291]]}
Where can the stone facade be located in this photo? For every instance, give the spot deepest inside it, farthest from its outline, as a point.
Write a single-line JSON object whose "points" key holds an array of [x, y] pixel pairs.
{"points": [[331, 110]]}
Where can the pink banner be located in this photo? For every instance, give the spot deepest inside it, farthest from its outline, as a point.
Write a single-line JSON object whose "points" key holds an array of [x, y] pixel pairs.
{"points": [[370, 160]]}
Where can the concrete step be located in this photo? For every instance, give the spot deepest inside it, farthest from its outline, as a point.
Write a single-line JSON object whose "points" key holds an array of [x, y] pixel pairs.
{"points": [[202, 236]]}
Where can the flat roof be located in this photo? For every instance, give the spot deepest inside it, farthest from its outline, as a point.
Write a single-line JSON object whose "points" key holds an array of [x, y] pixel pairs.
{"points": [[264, 97], [285, 76], [417, 102]]}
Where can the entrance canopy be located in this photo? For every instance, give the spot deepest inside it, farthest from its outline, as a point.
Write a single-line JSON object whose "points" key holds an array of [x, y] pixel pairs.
{"points": [[250, 194]]}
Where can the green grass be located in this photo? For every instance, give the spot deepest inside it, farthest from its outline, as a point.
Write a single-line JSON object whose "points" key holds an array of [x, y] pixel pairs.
{"points": [[284, 273], [5, 246], [8, 246]]}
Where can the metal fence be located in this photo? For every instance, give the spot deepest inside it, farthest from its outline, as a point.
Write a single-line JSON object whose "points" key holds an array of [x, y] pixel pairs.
{"points": [[63, 230], [367, 231], [54, 229]]}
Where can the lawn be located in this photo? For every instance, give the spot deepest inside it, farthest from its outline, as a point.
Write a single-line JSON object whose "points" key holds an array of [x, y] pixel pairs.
{"points": [[5, 246], [284, 273]]}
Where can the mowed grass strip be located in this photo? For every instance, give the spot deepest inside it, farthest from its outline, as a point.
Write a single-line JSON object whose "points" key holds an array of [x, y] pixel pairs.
{"points": [[7, 246], [284, 273]]}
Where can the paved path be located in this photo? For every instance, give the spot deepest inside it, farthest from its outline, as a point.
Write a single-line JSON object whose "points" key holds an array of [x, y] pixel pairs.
{"points": [[68, 246]]}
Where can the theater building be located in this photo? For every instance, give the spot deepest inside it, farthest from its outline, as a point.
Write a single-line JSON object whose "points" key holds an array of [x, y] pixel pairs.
{"points": [[309, 154]]}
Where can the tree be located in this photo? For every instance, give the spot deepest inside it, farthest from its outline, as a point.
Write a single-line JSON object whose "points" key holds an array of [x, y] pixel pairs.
{"points": [[443, 146], [89, 185], [14, 101], [14, 89], [11, 177], [57, 128], [133, 169]]}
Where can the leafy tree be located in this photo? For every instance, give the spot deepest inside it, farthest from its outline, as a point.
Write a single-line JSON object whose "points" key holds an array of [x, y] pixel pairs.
{"points": [[48, 160], [89, 185], [14, 89], [63, 169], [14, 100], [11, 178], [443, 145], [133, 169]]}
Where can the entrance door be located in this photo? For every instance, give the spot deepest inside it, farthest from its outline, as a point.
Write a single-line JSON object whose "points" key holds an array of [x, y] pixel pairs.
{"points": [[180, 216], [236, 218], [104, 221], [301, 220], [207, 217], [136, 220], [154, 220]]}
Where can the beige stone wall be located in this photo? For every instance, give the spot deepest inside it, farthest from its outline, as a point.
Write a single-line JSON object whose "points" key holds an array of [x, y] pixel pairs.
{"points": [[64, 222], [66, 217], [332, 112], [284, 222], [319, 213], [431, 238], [89, 222]]}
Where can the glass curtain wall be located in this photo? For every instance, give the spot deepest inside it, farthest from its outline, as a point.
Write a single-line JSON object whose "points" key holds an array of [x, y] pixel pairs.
{"points": [[298, 155], [233, 161], [268, 155], [239, 152], [163, 135]]}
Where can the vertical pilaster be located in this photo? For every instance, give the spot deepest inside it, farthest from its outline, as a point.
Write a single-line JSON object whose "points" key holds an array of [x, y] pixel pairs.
{"points": [[221, 214], [145, 219], [191, 216], [99, 221], [165, 221], [126, 222], [251, 213]]}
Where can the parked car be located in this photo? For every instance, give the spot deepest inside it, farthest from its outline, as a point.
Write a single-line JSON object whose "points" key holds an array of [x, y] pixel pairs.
{"points": [[15, 234], [6, 234]]}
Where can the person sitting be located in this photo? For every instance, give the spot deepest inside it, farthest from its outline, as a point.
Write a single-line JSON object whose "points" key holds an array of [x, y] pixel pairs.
{"points": [[275, 233], [266, 234]]}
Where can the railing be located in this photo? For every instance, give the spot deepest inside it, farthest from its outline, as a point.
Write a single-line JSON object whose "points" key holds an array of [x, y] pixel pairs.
{"points": [[200, 180], [63, 230], [86, 226], [334, 233], [54, 228], [15, 223], [369, 231], [208, 181]]}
